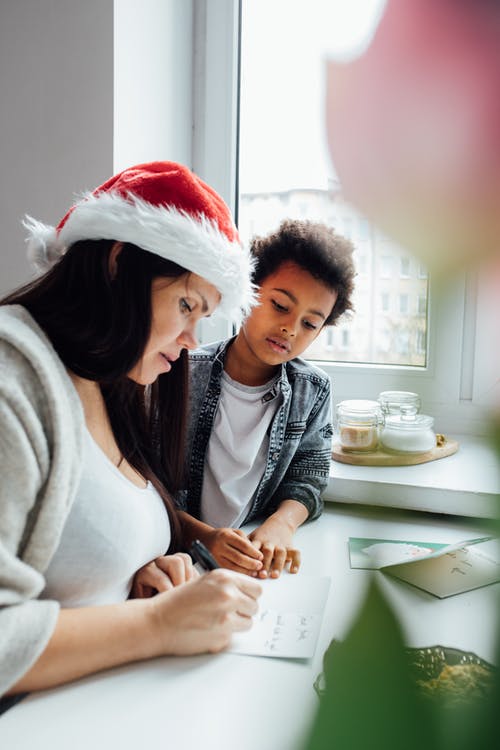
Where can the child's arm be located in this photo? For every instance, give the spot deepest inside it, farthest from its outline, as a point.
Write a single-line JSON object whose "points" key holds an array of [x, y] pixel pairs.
{"points": [[274, 538], [298, 497], [230, 547]]}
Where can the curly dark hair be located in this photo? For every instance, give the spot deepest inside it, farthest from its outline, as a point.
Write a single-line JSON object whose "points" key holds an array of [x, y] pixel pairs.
{"points": [[317, 249]]}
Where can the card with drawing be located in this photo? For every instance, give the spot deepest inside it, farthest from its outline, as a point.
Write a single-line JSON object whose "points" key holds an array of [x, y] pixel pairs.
{"points": [[289, 619], [438, 568]]}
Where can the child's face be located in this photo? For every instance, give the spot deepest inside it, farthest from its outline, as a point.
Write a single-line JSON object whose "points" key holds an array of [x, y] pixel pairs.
{"points": [[293, 308]]}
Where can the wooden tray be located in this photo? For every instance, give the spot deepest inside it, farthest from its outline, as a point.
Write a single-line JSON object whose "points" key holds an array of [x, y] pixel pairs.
{"points": [[380, 457]]}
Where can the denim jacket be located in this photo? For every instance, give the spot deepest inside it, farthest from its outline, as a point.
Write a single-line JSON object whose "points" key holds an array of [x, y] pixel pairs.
{"points": [[298, 459]]}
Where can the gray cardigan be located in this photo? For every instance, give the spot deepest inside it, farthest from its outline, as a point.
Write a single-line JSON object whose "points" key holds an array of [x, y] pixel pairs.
{"points": [[41, 436]]}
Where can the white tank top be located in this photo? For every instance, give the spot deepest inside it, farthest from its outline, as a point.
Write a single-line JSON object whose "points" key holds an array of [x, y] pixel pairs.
{"points": [[113, 529]]}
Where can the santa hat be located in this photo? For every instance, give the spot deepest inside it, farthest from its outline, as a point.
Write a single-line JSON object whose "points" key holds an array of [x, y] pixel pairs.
{"points": [[165, 208]]}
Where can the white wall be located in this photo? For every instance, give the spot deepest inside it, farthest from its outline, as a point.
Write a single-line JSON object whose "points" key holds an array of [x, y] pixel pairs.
{"points": [[56, 113], [86, 89], [153, 81]]}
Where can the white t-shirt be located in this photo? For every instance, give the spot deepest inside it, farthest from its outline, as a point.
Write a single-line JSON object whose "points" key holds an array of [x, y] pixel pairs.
{"points": [[237, 450], [113, 529]]}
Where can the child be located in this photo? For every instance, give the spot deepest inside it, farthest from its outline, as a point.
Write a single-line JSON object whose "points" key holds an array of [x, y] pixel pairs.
{"points": [[260, 431]]}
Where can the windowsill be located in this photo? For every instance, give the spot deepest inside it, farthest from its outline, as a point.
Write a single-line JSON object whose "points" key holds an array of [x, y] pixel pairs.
{"points": [[464, 484]]}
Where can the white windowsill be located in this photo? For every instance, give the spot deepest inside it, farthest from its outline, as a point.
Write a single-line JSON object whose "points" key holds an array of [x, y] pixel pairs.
{"points": [[464, 484]]}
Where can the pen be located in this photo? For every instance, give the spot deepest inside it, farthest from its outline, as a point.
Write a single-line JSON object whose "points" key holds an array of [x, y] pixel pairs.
{"points": [[202, 556]]}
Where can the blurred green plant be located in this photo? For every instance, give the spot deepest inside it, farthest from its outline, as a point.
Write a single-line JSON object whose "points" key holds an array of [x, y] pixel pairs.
{"points": [[370, 700]]}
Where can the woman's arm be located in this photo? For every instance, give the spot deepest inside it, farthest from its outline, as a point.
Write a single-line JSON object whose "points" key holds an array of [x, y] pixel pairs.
{"points": [[197, 617]]}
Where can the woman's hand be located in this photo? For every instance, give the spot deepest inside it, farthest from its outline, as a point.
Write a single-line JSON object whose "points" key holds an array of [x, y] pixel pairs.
{"points": [[232, 549], [274, 538], [202, 616], [196, 618], [162, 574]]}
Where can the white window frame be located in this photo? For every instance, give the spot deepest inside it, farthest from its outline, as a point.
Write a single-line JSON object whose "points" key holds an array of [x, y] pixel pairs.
{"points": [[216, 110], [455, 385]]}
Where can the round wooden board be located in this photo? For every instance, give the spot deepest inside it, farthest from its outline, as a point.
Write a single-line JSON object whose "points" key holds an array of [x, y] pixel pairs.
{"points": [[383, 458]]}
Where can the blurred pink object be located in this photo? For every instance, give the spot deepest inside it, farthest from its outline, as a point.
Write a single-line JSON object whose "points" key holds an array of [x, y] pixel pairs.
{"points": [[414, 128]]}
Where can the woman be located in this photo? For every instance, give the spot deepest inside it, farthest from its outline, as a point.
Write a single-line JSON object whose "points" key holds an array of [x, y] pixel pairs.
{"points": [[91, 430]]}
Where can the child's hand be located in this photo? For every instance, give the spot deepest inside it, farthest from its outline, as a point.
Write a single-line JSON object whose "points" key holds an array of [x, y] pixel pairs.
{"points": [[275, 539], [162, 574], [232, 549]]}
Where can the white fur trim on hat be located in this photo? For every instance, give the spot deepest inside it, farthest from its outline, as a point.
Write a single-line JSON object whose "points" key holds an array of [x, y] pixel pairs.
{"points": [[43, 247], [193, 242]]}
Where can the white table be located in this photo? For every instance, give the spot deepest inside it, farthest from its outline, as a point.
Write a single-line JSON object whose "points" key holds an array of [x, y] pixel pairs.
{"points": [[227, 701]]}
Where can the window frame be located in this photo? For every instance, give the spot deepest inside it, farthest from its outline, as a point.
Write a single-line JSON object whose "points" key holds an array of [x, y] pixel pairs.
{"points": [[446, 384]]}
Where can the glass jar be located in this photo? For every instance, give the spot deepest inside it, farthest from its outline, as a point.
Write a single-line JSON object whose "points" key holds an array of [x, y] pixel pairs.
{"points": [[408, 433], [358, 424], [397, 402]]}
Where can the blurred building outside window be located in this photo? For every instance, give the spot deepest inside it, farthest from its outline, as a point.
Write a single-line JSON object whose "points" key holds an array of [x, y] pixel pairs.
{"points": [[284, 171]]}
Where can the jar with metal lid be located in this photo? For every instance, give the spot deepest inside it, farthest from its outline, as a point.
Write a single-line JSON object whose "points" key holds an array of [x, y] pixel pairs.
{"points": [[408, 433], [395, 402], [358, 424]]}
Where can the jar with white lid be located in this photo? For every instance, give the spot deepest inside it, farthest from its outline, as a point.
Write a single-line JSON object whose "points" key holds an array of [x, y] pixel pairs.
{"points": [[397, 402], [408, 433], [358, 425]]}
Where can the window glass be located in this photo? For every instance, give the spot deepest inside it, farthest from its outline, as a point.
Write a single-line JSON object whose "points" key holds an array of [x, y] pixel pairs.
{"points": [[285, 172], [404, 271]]}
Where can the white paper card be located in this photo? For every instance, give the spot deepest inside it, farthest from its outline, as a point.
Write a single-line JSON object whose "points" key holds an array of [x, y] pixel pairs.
{"points": [[441, 569], [289, 619], [455, 572]]}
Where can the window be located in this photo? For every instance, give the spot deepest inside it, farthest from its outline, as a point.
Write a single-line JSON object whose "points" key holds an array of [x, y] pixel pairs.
{"points": [[347, 230], [386, 267], [345, 339], [421, 304], [362, 264], [364, 230], [402, 341], [284, 168], [422, 271], [404, 268], [384, 302], [421, 341], [282, 165], [403, 304]]}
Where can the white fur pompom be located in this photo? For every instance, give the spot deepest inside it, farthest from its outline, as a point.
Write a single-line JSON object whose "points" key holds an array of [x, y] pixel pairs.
{"points": [[43, 247]]}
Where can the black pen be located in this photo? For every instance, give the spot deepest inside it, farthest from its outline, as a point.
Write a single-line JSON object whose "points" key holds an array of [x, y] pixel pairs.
{"points": [[202, 556]]}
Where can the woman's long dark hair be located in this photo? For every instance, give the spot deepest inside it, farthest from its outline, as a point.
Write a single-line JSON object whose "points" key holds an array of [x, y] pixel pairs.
{"points": [[99, 324]]}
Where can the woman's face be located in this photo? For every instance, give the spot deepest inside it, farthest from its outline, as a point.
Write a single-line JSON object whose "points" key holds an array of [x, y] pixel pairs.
{"points": [[177, 304]]}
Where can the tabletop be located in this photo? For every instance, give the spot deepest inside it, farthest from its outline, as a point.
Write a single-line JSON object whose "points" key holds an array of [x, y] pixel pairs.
{"points": [[227, 700]]}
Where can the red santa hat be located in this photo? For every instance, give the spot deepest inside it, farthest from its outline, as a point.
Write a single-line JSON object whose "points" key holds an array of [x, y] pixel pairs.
{"points": [[166, 209]]}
